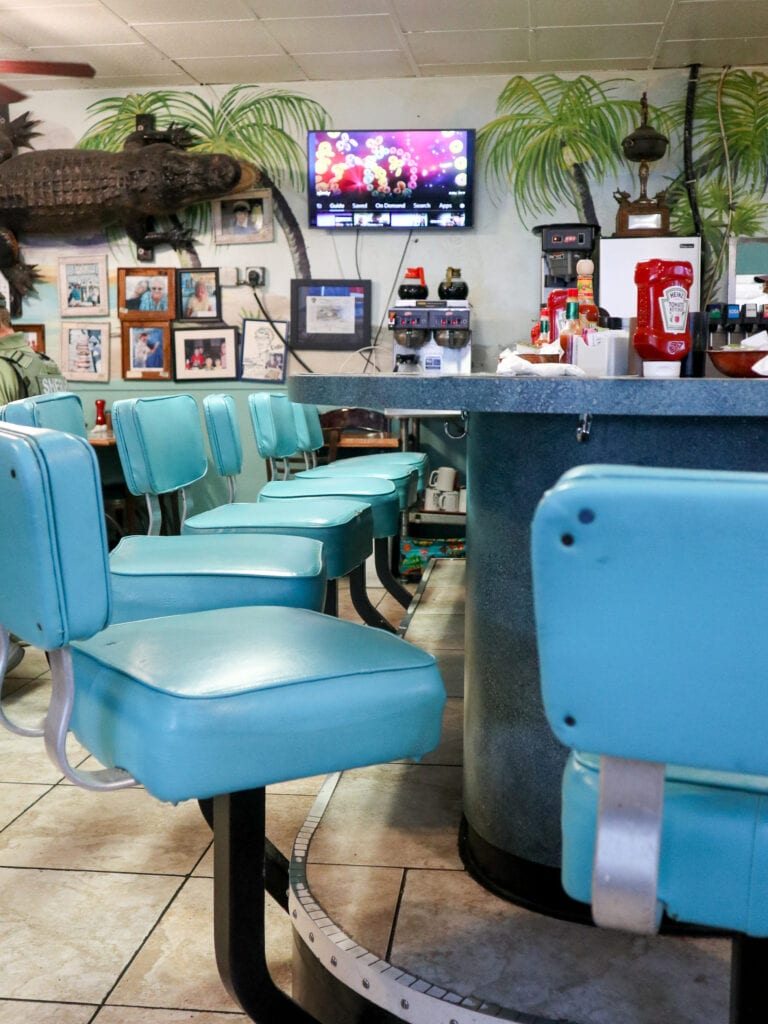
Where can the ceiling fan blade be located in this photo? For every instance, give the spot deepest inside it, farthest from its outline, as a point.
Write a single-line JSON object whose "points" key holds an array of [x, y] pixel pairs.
{"points": [[45, 67], [8, 95]]}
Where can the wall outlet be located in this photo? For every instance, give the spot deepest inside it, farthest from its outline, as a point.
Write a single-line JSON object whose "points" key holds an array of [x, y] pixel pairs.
{"points": [[229, 277], [256, 277]]}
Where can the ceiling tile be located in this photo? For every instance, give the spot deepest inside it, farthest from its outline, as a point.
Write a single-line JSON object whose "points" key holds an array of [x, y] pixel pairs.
{"points": [[330, 35], [211, 39], [316, 8], [137, 12], [713, 53], [110, 60], [715, 19], [226, 70], [65, 26], [423, 15], [596, 43], [469, 47], [598, 12], [508, 68], [346, 66]]}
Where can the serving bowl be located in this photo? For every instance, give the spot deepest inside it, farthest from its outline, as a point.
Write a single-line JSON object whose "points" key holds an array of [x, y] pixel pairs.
{"points": [[734, 361]]}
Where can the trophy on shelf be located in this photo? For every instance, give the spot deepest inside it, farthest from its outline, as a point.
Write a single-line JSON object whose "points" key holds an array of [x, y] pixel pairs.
{"points": [[642, 217]]}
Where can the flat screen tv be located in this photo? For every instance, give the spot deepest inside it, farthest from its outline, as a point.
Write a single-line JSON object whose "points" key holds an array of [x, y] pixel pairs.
{"points": [[413, 179]]}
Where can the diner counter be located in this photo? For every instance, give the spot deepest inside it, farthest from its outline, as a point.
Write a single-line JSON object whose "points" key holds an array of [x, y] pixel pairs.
{"points": [[522, 435], [483, 392]]}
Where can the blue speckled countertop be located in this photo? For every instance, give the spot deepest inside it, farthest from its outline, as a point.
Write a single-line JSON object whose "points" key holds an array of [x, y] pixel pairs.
{"points": [[485, 392]]}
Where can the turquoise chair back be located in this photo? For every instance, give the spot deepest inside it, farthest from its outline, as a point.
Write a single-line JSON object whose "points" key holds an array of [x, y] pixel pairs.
{"points": [[649, 598], [274, 426], [223, 429], [160, 442], [62, 410], [309, 429], [63, 593]]}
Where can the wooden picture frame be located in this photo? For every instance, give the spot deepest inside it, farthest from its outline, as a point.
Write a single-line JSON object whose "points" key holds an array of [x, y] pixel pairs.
{"points": [[244, 219], [146, 341], [85, 350], [199, 294], [83, 285], [330, 314], [34, 335], [263, 352], [205, 353], [152, 287]]}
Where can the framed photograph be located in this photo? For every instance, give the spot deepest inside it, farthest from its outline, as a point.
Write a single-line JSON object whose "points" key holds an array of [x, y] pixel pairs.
{"points": [[263, 352], [85, 350], [83, 286], [146, 351], [330, 314], [205, 353], [199, 294], [246, 218], [146, 293], [34, 335]]}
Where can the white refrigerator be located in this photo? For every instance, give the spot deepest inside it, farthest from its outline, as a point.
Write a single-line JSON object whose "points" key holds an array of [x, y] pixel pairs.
{"points": [[617, 292]]}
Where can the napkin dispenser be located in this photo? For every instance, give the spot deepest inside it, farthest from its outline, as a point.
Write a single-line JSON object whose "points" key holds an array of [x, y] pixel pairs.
{"points": [[602, 353]]}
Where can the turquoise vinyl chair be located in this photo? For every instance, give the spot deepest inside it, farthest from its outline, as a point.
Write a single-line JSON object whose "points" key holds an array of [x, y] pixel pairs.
{"points": [[274, 420], [160, 575], [649, 591], [162, 450], [212, 704], [381, 495], [310, 436]]}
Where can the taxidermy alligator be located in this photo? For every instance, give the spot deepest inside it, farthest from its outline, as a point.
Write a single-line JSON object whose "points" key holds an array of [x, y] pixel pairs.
{"points": [[78, 191]]}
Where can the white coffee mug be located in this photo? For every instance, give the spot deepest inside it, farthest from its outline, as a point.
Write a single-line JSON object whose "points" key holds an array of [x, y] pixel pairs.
{"points": [[449, 501], [432, 499], [444, 478]]}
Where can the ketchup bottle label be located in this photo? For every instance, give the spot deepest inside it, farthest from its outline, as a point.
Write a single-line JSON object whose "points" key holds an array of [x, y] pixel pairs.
{"points": [[673, 303]]}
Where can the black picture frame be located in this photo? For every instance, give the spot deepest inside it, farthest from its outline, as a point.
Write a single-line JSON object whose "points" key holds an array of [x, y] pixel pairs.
{"points": [[204, 353], [209, 306], [330, 314]]}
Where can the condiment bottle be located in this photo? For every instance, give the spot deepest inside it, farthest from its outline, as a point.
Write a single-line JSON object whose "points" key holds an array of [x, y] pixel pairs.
{"points": [[662, 335], [572, 327], [589, 314], [413, 285], [544, 335]]}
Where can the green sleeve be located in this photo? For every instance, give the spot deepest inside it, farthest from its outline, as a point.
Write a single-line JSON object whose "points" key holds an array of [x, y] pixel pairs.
{"points": [[9, 383]]}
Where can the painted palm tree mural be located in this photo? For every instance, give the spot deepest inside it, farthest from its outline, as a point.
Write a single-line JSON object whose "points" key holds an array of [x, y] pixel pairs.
{"points": [[553, 140], [249, 124]]}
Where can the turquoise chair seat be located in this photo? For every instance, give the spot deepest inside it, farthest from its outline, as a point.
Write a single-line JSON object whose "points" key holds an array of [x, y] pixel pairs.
{"points": [[381, 495], [715, 828], [345, 527], [154, 576], [309, 431], [295, 694], [403, 478]]}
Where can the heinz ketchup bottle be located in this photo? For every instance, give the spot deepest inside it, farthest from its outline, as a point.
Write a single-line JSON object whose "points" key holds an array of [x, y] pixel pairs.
{"points": [[662, 337]]}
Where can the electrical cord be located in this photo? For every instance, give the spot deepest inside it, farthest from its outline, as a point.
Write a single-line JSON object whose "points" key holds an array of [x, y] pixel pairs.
{"points": [[396, 278]]}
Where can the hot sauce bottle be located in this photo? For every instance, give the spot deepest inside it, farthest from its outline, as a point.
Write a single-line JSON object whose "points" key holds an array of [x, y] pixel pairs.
{"points": [[589, 314], [572, 326]]}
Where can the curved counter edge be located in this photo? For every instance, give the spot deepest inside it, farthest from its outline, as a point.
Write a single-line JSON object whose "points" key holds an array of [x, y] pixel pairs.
{"points": [[614, 396]]}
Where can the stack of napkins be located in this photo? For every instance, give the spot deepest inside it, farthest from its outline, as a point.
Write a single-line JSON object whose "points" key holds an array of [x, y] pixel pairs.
{"points": [[758, 341], [513, 365]]}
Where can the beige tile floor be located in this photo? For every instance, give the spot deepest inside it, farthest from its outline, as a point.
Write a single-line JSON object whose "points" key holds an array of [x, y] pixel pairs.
{"points": [[106, 900]]}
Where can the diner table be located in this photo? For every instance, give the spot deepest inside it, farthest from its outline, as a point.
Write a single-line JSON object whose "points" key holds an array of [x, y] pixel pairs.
{"points": [[522, 434]]}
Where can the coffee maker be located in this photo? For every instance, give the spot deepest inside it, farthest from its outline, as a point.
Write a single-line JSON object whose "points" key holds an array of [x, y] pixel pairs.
{"points": [[562, 246], [431, 337]]}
